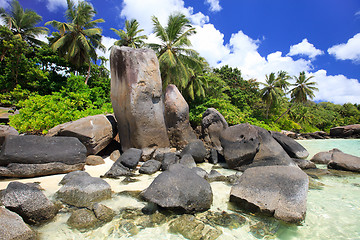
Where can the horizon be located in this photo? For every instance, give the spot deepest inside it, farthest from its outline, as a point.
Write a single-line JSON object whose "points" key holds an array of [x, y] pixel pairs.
{"points": [[321, 38]]}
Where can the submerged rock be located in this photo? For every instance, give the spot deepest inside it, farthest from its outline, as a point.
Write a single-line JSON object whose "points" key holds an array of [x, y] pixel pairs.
{"points": [[278, 190], [12, 226], [224, 219], [103, 213], [83, 191], [82, 219], [343, 161], [303, 163], [29, 202], [180, 188], [191, 228]]}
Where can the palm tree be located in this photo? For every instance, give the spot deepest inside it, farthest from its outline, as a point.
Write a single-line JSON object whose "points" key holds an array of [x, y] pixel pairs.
{"points": [[303, 89], [129, 37], [271, 92], [282, 82], [78, 39], [22, 23], [177, 61]]}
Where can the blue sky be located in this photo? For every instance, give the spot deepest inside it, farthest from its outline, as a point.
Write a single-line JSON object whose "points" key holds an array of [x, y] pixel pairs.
{"points": [[321, 37]]}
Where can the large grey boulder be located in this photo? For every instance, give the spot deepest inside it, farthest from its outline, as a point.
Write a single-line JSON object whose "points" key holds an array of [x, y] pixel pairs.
{"points": [[323, 157], [270, 151], [13, 227], [346, 131], [212, 125], [30, 156], [95, 132], [29, 202], [82, 190], [136, 96], [293, 148], [240, 144], [196, 149], [343, 161], [6, 130], [180, 188], [278, 190], [177, 122]]}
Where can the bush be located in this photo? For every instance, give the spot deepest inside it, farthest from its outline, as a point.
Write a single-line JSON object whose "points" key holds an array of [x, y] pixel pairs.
{"points": [[41, 113]]}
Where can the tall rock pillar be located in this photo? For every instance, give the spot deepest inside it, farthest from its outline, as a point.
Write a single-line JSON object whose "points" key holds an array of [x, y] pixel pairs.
{"points": [[136, 96]]}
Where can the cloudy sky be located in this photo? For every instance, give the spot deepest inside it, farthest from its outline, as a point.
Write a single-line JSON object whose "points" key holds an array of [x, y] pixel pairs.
{"points": [[321, 37]]}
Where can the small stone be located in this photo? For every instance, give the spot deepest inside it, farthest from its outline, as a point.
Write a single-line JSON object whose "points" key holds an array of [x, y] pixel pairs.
{"points": [[169, 159], [187, 160], [150, 167], [93, 160], [115, 155]]}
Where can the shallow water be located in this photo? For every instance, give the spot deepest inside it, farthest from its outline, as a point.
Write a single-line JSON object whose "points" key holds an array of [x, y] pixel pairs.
{"points": [[332, 212]]}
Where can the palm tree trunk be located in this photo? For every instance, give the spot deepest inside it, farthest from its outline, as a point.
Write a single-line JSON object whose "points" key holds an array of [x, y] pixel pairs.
{"points": [[88, 74], [284, 112]]}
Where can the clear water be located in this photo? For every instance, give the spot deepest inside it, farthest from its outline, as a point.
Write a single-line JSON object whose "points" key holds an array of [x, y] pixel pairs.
{"points": [[332, 212]]}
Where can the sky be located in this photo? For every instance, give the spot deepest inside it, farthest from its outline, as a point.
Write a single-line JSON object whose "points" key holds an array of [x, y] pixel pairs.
{"points": [[320, 37]]}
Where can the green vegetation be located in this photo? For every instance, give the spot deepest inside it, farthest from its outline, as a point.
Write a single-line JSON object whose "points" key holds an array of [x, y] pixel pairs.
{"points": [[61, 81]]}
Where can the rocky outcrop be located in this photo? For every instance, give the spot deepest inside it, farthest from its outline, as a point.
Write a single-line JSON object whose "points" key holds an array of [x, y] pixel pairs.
{"points": [[29, 202], [343, 161], [95, 132], [349, 131], [180, 188], [240, 144], [196, 149], [278, 190], [177, 118], [6, 130], [82, 190], [31, 156], [212, 125], [136, 96], [294, 149], [13, 227]]}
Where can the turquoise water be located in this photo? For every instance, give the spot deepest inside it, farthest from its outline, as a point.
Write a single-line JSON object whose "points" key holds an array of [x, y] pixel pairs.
{"points": [[332, 212]]}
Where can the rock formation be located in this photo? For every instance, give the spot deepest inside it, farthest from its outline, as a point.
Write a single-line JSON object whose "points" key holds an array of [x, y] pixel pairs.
{"points": [[136, 96]]}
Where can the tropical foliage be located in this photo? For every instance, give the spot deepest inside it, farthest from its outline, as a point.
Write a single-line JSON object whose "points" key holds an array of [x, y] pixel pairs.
{"points": [[22, 23], [178, 62], [129, 37], [78, 39], [47, 82]]}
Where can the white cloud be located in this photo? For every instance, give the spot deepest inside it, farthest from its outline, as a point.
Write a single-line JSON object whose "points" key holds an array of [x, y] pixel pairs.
{"points": [[53, 5], [338, 89], [305, 48], [4, 3], [347, 51], [242, 50], [357, 13], [214, 5], [209, 42], [245, 56]]}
